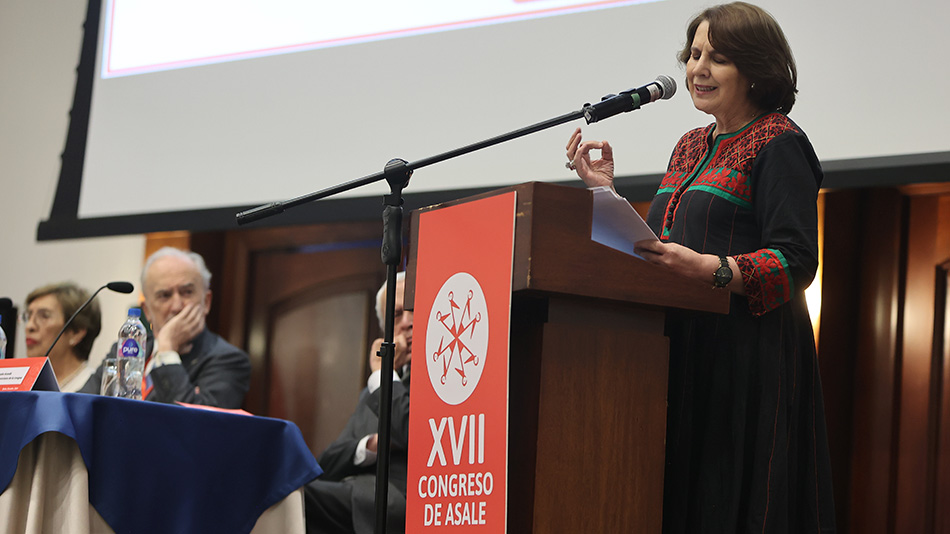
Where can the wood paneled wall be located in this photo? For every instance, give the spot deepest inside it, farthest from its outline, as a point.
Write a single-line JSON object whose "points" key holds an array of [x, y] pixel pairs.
{"points": [[883, 359]]}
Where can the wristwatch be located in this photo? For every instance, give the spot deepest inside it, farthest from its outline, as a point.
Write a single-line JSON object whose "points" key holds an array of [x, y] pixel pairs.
{"points": [[723, 274]]}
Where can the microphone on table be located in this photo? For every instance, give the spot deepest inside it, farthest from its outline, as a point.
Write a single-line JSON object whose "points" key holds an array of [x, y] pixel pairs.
{"points": [[118, 287], [663, 88]]}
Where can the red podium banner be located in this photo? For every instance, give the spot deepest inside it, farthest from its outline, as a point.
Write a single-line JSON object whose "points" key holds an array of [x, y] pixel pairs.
{"points": [[458, 454]]}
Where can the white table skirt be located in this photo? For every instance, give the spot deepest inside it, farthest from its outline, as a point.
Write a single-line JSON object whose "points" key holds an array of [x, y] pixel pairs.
{"points": [[49, 494]]}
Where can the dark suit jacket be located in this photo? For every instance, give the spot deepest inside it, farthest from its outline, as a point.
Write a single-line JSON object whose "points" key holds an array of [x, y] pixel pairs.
{"points": [[337, 459], [214, 373]]}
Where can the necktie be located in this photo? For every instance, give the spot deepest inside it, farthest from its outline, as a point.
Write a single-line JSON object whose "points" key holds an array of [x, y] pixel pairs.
{"points": [[147, 384]]}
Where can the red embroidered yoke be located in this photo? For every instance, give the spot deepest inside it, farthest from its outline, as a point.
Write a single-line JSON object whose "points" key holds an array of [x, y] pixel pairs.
{"points": [[752, 195]]}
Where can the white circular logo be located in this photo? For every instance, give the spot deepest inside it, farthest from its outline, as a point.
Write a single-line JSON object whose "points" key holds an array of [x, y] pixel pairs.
{"points": [[457, 338]]}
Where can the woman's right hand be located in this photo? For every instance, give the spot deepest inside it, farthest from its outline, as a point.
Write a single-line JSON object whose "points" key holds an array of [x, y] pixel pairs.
{"points": [[594, 173]]}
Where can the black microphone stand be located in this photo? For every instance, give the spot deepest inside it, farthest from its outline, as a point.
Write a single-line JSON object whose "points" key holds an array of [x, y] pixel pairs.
{"points": [[397, 173]]}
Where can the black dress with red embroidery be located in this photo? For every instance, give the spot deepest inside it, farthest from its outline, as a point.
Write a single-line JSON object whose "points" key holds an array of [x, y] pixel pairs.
{"points": [[746, 439]]}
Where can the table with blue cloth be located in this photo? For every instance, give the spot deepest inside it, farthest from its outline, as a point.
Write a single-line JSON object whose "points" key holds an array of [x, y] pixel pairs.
{"points": [[151, 468]]}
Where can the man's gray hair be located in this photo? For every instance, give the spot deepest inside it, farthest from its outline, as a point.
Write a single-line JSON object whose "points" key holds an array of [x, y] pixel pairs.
{"points": [[193, 257], [380, 305]]}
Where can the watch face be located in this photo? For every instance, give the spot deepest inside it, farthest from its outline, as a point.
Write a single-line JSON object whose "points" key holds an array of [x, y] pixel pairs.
{"points": [[723, 276]]}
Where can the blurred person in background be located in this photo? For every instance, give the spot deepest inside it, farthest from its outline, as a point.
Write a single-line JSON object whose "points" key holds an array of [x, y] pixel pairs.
{"points": [[47, 309]]}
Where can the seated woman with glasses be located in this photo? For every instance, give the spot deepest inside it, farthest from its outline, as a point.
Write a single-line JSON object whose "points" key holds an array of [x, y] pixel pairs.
{"points": [[48, 308]]}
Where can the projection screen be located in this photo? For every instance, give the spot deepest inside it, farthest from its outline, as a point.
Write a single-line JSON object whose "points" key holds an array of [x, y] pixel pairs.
{"points": [[200, 108]]}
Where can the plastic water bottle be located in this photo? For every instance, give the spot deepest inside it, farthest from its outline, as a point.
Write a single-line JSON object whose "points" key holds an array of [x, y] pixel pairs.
{"points": [[3, 341], [130, 356]]}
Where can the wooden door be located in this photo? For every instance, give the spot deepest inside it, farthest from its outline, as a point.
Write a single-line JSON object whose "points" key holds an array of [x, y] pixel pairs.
{"points": [[939, 446], [301, 301], [884, 358]]}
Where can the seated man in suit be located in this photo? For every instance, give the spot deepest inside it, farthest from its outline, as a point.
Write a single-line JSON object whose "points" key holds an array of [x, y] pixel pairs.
{"points": [[187, 362], [342, 500]]}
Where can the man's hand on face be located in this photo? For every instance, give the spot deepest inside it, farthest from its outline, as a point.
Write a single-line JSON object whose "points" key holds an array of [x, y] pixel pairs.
{"points": [[403, 353], [402, 357], [178, 332]]}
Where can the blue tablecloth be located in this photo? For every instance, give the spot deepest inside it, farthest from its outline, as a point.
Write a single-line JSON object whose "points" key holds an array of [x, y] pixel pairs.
{"points": [[158, 468]]}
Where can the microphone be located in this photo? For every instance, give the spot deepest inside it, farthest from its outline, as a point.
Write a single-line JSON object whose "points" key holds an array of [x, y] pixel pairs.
{"points": [[118, 287], [663, 88]]}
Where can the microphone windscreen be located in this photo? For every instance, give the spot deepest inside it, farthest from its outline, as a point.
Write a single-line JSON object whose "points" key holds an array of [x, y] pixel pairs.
{"points": [[5, 303], [668, 84], [120, 287]]}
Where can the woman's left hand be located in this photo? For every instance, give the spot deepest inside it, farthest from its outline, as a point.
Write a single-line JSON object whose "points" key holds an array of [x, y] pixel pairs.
{"points": [[687, 262], [678, 258]]}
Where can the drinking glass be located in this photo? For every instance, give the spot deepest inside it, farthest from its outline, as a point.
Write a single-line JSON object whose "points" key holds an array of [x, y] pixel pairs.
{"points": [[110, 382]]}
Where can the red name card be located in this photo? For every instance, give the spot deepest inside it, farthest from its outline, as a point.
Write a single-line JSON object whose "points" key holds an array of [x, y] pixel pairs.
{"points": [[27, 374]]}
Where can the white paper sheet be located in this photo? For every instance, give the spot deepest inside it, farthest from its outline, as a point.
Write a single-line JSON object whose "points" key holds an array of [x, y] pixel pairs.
{"points": [[616, 224]]}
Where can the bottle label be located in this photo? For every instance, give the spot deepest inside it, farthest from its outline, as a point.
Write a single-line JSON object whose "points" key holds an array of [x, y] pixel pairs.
{"points": [[130, 348]]}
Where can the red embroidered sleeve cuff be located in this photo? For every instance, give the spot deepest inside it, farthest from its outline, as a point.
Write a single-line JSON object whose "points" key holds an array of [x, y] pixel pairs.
{"points": [[765, 274]]}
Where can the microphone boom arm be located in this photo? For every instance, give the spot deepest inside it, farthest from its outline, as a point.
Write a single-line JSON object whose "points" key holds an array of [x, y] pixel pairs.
{"points": [[664, 87], [267, 210]]}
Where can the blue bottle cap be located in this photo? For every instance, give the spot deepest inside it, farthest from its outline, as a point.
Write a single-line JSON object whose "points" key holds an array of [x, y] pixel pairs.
{"points": [[135, 312]]}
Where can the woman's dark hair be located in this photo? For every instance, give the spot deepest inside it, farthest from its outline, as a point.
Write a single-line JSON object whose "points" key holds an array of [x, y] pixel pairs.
{"points": [[70, 298], [755, 43]]}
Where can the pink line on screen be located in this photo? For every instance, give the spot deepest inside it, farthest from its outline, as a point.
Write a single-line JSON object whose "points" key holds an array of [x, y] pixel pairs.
{"points": [[330, 42], [111, 18]]}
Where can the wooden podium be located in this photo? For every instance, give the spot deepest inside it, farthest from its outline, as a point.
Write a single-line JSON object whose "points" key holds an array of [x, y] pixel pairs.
{"points": [[587, 369]]}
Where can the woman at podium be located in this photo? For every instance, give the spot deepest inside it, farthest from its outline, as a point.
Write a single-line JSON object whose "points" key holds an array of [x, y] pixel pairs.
{"points": [[746, 440]]}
